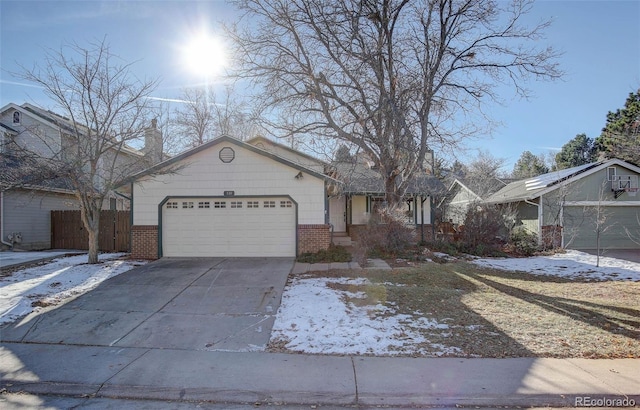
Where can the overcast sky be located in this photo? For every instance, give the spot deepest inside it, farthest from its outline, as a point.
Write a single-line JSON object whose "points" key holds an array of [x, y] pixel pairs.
{"points": [[600, 41]]}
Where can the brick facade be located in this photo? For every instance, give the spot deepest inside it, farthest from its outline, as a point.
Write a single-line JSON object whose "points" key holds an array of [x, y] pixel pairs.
{"points": [[551, 236], [144, 241], [312, 238]]}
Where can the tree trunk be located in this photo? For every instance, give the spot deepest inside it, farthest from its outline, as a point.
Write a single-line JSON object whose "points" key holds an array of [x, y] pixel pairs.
{"points": [[394, 200], [93, 244], [90, 214]]}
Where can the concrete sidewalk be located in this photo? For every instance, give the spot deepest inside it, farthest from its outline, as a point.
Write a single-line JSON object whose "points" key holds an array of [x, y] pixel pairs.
{"points": [[12, 259], [301, 267], [258, 377]]}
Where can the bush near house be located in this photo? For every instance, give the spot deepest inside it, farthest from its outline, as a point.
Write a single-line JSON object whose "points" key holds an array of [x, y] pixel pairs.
{"points": [[386, 236], [522, 242]]}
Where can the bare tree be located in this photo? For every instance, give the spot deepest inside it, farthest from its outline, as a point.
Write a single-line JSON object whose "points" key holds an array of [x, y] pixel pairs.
{"points": [[600, 215], [205, 115], [104, 107], [195, 118], [485, 175], [396, 78]]}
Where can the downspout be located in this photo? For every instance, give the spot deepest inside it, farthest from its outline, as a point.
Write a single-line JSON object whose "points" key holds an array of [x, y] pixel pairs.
{"points": [[526, 201], [2, 221]]}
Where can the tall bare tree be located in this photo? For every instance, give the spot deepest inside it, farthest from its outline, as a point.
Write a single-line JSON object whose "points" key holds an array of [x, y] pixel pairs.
{"points": [[485, 175], [104, 107], [395, 78], [204, 115]]}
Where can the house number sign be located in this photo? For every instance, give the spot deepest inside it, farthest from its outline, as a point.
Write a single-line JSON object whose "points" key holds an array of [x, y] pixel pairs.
{"points": [[229, 193]]}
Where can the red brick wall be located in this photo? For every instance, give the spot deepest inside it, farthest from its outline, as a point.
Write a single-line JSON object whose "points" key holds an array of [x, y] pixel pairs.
{"points": [[144, 241], [312, 238], [551, 236]]}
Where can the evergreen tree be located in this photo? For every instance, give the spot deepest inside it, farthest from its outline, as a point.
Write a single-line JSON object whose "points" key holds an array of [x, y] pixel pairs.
{"points": [[620, 137], [580, 150], [529, 166]]}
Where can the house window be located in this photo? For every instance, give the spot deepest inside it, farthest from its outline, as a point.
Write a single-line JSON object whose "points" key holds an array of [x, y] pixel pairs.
{"points": [[172, 205], [16, 117], [220, 204], [204, 205], [236, 204], [112, 204], [187, 205], [269, 204], [253, 204], [285, 204], [611, 173]]}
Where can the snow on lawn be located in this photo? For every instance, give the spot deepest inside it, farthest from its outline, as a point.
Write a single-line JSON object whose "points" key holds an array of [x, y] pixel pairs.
{"points": [[55, 281], [316, 318], [571, 264]]}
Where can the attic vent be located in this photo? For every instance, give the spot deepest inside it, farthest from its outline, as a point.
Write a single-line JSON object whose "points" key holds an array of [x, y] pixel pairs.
{"points": [[227, 155]]}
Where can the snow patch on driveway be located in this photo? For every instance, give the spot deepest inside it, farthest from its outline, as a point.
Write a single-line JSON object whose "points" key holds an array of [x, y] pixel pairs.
{"points": [[28, 290]]}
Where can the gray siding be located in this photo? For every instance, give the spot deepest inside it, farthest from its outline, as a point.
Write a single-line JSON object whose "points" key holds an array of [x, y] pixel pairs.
{"points": [[620, 228], [29, 212]]}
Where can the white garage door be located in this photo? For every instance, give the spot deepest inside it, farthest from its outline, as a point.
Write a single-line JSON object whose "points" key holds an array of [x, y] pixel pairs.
{"points": [[229, 227]]}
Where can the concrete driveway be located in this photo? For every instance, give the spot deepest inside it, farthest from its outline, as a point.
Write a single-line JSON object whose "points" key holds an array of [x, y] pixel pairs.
{"points": [[224, 304]]}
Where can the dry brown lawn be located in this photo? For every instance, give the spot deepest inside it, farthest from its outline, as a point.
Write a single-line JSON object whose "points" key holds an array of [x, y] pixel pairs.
{"points": [[493, 313]]}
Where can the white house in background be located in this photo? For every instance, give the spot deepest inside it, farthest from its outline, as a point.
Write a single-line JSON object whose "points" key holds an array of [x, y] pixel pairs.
{"points": [[256, 198], [25, 213]]}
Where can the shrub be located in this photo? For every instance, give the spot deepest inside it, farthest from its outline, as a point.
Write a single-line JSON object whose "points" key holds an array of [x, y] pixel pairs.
{"points": [[484, 226], [386, 235], [523, 242]]}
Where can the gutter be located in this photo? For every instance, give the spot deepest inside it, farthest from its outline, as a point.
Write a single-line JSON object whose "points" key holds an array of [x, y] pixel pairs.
{"points": [[2, 221]]}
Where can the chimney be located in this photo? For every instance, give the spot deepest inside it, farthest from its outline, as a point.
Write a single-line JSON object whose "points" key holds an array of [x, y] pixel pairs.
{"points": [[153, 143]]}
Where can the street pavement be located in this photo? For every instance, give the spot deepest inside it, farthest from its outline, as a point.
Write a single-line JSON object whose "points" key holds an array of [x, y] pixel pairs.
{"points": [[184, 331]]}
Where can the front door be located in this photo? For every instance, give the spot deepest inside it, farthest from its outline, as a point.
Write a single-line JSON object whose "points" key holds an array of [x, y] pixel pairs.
{"points": [[338, 213]]}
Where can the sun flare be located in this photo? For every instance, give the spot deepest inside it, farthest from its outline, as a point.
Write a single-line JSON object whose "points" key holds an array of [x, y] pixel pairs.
{"points": [[204, 56]]}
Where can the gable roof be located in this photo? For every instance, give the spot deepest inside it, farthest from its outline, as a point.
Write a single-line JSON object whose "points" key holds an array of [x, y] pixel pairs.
{"points": [[255, 141], [8, 128], [462, 185], [359, 178], [229, 140], [531, 188], [56, 121]]}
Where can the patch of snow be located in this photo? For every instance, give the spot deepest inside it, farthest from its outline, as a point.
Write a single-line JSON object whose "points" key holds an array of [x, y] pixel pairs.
{"points": [[316, 318], [571, 264], [52, 283]]}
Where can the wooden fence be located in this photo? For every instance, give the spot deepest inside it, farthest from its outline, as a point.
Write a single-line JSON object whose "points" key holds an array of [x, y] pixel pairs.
{"points": [[68, 232]]}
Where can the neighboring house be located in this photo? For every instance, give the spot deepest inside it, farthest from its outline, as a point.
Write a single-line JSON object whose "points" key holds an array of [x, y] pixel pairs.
{"points": [[456, 202], [256, 198], [25, 212], [570, 208], [462, 193]]}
